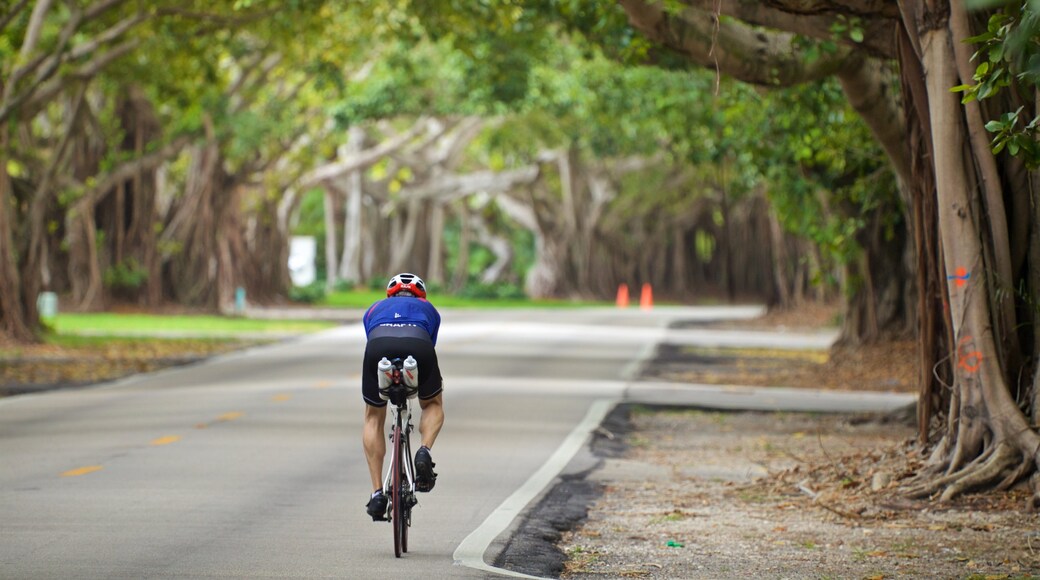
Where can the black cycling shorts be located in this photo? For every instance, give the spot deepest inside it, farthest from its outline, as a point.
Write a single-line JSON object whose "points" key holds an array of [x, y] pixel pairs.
{"points": [[390, 346]]}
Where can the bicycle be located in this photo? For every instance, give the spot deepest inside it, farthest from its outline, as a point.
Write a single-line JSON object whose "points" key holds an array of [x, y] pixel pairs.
{"points": [[399, 482]]}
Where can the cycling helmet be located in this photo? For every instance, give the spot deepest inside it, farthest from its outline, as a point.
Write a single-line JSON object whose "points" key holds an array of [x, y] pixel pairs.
{"points": [[405, 281]]}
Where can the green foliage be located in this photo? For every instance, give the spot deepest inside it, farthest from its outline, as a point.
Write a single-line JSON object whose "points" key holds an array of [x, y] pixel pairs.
{"points": [[128, 275], [309, 294], [1008, 57], [491, 291], [826, 173]]}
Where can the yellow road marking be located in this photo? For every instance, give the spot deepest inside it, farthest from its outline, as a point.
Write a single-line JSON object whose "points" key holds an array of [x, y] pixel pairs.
{"points": [[81, 471], [230, 416], [324, 384], [280, 398], [166, 440]]}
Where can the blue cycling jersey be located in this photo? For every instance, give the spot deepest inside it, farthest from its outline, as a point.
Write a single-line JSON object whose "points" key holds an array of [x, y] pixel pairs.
{"points": [[404, 311]]}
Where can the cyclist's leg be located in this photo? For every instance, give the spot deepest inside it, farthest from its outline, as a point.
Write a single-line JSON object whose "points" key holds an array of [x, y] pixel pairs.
{"points": [[432, 419], [374, 441]]}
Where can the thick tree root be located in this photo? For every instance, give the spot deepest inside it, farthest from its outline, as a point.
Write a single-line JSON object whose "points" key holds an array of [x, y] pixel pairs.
{"points": [[1001, 465], [1006, 459], [939, 475]]}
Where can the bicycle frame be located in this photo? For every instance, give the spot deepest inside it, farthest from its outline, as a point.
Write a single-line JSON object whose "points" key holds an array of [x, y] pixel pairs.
{"points": [[401, 417]]}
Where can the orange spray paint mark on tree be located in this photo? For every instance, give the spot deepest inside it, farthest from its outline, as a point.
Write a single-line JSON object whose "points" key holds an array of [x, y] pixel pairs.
{"points": [[969, 360]]}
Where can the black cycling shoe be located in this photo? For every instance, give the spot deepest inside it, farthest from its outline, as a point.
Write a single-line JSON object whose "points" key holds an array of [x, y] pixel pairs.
{"points": [[377, 507], [425, 478]]}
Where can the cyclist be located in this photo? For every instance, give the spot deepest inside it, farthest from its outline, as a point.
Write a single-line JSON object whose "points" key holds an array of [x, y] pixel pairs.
{"points": [[402, 324]]}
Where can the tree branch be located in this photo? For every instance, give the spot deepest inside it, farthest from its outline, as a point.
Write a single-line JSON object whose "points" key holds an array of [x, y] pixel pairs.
{"points": [[119, 29], [367, 157], [108, 182], [86, 72], [879, 27], [32, 33], [9, 16], [47, 65], [734, 48], [454, 185]]}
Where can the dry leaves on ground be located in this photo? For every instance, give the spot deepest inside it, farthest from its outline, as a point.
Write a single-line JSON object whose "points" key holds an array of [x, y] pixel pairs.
{"points": [[30, 368], [786, 495]]}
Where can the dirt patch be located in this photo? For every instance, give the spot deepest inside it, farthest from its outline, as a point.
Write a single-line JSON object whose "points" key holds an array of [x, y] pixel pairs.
{"points": [[43, 367], [884, 367], [889, 366], [782, 495]]}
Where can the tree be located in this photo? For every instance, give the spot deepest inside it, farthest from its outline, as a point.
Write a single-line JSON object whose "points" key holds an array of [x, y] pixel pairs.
{"points": [[977, 265]]}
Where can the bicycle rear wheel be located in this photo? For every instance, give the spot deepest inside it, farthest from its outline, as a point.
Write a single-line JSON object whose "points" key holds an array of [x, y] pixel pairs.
{"points": [[397, 511], [406, 507]]}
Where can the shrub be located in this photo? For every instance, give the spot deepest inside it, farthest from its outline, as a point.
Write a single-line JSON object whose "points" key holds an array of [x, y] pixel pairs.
{"points": [[309, 294]]}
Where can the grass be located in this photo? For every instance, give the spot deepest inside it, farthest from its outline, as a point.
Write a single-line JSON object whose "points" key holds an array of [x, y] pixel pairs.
{"points": [[111, 324], [363, 298]]}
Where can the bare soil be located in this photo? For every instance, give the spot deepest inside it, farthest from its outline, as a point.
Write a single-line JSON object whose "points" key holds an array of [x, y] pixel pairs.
{"points": [[787, 495], [42, 367]]}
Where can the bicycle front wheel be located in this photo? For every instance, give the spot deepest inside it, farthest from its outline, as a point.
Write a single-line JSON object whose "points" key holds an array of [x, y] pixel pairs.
{"points": [[397, 509]]}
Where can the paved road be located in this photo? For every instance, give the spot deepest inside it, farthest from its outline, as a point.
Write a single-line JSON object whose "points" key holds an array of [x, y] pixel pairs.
{"points": [[250, 465]]}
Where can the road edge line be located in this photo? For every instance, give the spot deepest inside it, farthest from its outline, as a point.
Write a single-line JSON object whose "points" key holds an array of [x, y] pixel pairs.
{"points": [[470, 552]]}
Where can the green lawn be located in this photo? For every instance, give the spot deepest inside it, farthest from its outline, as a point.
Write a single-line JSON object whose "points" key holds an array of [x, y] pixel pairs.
{"points": [[134, 325], [363, 298], [110, 324]]}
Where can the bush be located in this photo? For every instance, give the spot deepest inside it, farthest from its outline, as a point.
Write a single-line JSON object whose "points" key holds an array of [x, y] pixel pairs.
{"points": [[125, 276], [492, 291], [309, 294]]}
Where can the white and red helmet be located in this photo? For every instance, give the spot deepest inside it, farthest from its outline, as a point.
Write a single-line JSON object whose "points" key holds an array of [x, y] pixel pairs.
{"points": [[406, 281]]}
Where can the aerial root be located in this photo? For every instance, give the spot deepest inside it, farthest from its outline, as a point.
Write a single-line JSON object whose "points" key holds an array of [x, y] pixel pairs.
{"points": [[997, 465], [938, 475], [1005, 459], [1024, 468]]}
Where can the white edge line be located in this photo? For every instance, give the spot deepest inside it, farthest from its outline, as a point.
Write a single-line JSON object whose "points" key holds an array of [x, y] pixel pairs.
{"points": [[470, 552]]}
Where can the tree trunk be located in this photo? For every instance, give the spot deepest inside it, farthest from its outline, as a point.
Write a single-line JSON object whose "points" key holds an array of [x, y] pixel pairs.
{"points": [[350, 266], [990, 439], [877, 309], [435, 272], [16, 319], [332, 209]]}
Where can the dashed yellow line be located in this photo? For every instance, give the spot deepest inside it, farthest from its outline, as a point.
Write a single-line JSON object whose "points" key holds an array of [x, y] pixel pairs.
{"points": [[230, 416], [324, 384], [81, 471], [166, 440], [281, 397]]}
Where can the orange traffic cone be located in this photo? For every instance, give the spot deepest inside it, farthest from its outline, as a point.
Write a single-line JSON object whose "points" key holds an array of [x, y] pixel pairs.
{"points": [[646, 298], [622, 296]]}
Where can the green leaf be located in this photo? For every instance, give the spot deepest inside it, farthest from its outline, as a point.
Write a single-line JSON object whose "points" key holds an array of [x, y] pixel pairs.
{"points": [[14, 169], [856, 34], [994, 126]]}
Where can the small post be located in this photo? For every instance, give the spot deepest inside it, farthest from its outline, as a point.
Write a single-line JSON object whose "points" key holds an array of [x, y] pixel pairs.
{"points": [[47, 304], [240, 301]]}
